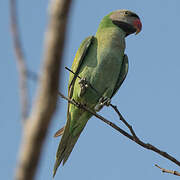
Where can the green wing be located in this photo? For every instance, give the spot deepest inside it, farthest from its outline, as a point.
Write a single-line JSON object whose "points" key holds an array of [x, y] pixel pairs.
{"points": [[122, 74], [67, 141], [78, 61]]}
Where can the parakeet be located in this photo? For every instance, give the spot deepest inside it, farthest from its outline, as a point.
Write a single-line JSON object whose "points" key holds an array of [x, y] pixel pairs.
{"points": [[101, 64]]}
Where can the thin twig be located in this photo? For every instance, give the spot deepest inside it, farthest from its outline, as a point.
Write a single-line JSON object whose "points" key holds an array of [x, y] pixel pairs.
{"points": [[97, 115], [168, 171], [132, 137], [72, 72], [125, 122], [45, 103], [20, 60]]}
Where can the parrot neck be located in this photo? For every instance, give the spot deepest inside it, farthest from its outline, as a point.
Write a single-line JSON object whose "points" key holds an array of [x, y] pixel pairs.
{"points": [[107, 23]]}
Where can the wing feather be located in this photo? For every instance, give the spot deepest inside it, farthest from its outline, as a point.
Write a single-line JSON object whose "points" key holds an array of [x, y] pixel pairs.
{"points": [[122, 74]]}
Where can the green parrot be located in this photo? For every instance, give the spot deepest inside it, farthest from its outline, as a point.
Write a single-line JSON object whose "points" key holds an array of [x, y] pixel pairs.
{"points": [[101, 64]]}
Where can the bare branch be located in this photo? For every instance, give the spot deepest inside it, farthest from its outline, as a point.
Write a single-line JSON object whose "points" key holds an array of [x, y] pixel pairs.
{"points": [[168, 171], [20, 60], [98, 116], [45, 103], [132, 137], [125, 122], [141, 143]]}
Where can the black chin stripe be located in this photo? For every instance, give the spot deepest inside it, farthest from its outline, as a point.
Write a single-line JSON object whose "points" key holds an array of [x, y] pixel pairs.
{"points": [[129, 29]]}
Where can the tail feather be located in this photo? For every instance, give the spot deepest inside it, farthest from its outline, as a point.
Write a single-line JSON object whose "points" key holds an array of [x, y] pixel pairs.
{"points": [[68, 140], [70, 146], [64, 150]]}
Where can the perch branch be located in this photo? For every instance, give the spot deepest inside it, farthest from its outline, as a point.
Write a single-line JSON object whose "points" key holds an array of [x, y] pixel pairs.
{"points": [[37, 124], [132, 137], [125, 122], [20, 60], [168, 171]]}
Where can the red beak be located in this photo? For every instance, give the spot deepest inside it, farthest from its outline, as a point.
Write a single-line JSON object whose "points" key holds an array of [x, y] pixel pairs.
{"points": [[138, 25]]}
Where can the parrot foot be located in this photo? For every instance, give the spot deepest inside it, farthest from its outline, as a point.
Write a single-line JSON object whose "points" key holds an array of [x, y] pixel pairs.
{"points": [[103, 101], [83, 85]]}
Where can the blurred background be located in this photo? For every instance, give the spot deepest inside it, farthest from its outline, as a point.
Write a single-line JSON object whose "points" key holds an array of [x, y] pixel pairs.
{"points": [[149, 98]]}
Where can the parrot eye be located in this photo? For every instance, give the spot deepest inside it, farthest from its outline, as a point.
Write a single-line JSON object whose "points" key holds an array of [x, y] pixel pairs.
{"points": [[126, 13]]}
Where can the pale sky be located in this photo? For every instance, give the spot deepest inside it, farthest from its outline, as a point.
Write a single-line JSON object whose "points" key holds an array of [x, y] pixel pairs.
{"points": [[149, 98]]}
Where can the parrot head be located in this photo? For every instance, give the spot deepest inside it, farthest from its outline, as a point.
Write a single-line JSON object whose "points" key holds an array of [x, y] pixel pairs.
{"points": [[127, 21]]}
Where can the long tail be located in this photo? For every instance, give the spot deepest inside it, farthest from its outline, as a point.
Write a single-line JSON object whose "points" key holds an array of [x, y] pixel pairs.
{"points": [[64, 150], [66, 145]]}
